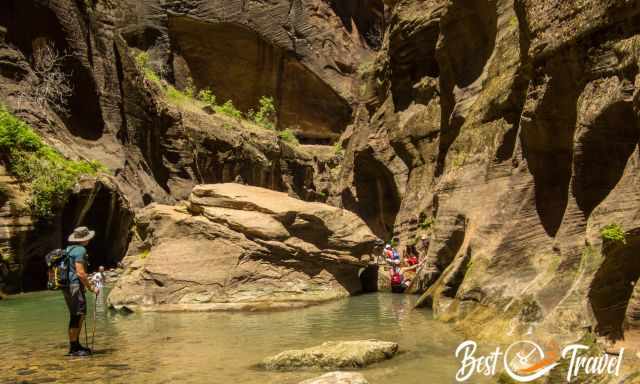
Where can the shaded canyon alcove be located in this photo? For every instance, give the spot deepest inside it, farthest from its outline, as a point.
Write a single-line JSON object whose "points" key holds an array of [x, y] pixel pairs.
{"points": [[369, 278], [602, 152], [240, 65], [98, 206], [613, 286], [377, 194], [105, 211]]}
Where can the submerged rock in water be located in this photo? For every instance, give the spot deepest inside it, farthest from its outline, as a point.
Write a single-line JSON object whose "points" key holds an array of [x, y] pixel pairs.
{"points": [[338, 378], [333, 354], [236, 247], [120, 310]]}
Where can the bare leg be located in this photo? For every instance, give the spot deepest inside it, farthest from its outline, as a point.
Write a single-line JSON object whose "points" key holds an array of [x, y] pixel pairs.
{"points": [[74, 333]]}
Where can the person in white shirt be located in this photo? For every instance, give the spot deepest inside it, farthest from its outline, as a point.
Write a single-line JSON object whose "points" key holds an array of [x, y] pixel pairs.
{"points": [[98, 279]]}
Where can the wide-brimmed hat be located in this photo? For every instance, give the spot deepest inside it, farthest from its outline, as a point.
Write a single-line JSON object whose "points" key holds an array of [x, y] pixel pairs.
{"points": [[81, 234]]}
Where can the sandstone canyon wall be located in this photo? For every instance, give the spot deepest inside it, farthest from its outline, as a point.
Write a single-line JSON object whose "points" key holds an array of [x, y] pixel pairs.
{"points": [[508, 130], [155, 150], [505, 130]]}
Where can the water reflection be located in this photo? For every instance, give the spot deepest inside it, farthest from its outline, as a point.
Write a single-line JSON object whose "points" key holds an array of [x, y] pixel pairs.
{"points": [[219, 347]]}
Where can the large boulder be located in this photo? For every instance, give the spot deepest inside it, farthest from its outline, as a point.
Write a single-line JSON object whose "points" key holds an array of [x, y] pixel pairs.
{"points": [[338, 378], [333, 354], [317, 224], [239, 247]]}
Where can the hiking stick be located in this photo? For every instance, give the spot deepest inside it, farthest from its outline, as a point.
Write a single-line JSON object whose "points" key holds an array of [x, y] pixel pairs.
{"points": [[86, 337], [93, 333]]}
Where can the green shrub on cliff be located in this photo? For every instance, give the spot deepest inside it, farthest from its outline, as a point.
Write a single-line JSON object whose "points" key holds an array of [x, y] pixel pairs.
{"points": [[48, 175], [206, 96], [427, 223], [613, 233], [16, 135], [142, 59], [266, 115], [176, 96], [189, 98], [172, 94], [288, 136], [229, 109], [190, 88], [142, 62]]}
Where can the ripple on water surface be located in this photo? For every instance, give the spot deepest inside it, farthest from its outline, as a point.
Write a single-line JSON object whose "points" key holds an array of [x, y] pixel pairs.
{"points": [[218, 347]]}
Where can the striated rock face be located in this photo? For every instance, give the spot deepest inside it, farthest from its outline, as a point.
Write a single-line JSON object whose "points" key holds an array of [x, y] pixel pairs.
{"points": [[16, 237], [92, 128], [334, 354], [338, 378], [239, 247], [202, 148], [513, 128], [304, 54], [157, 151]]}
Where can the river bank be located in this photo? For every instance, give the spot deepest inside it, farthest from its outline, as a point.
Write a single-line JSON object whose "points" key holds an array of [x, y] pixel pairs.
{"points": [[220, 347]]}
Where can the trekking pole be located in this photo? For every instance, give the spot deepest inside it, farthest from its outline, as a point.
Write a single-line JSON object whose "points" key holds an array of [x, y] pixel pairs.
{"points": [[93, 333], [86, 337]]}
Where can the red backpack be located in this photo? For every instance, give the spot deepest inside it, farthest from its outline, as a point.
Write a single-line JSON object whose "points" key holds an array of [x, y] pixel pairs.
{"points": [[396, 278]]}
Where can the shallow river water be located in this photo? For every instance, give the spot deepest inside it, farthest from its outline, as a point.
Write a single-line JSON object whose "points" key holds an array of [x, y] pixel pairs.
{"points": [[218, 347]]}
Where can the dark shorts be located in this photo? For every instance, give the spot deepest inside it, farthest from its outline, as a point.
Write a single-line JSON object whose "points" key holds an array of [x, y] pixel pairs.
{"points": [[76, 302]]}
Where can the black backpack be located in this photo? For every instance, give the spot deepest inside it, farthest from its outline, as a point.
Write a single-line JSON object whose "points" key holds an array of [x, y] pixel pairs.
{"points": [[57, 269]]}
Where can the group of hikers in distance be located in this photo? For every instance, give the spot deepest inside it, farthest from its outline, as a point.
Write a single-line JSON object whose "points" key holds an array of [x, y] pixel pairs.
{"points": [[402, 269]]}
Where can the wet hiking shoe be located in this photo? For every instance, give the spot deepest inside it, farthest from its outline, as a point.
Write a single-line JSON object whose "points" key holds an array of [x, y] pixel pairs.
{"points": [[83, 348], [80, 353], [79, 350]]}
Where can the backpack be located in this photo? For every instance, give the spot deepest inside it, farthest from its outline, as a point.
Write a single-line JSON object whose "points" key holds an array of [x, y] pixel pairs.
{"points": [[57, 269], [396, 278]]}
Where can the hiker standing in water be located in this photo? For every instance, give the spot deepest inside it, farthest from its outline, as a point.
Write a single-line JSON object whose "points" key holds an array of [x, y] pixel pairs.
{"points": [[74, 292]]}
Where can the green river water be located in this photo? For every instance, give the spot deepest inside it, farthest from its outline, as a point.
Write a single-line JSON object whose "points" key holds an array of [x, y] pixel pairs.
{"points": [[218, 347]]}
